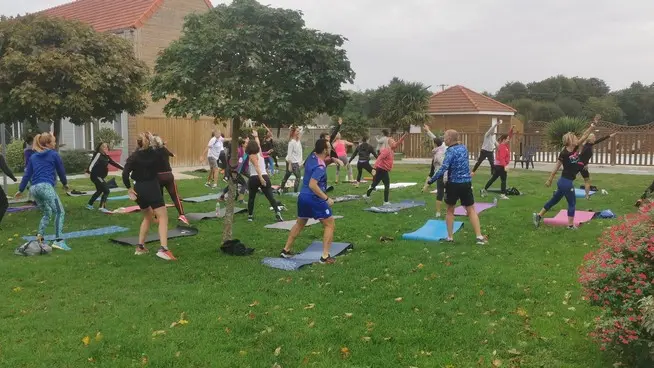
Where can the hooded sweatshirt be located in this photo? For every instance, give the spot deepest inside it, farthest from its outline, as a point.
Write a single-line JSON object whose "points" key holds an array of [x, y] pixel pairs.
{"points": [[42, 167], [489, 139], [143, 165]]}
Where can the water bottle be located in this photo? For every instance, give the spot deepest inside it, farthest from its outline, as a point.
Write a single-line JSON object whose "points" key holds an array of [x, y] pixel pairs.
{"points": [[218, 208]]}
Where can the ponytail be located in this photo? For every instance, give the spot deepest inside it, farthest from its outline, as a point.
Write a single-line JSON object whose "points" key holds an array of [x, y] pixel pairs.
{"points": [[41, 142]]}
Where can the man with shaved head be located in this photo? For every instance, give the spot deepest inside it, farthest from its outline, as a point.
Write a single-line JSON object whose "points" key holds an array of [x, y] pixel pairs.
{"points": [[458, 186]]}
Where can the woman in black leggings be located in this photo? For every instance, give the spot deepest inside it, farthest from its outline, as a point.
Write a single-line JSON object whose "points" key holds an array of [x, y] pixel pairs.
{"points": [[99, 169], [4, 202], [363, 150], [238, 171], [259, 178]]}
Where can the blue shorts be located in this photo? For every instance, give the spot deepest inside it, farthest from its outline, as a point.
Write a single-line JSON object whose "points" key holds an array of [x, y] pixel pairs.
{"points": [[310, 207]]}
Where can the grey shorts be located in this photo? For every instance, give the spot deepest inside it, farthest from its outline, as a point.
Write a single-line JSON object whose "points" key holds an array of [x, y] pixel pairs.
{"points": [[213, 162]]}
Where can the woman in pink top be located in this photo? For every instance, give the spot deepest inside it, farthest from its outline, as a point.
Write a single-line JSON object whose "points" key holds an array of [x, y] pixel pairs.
{"points": [[383, 167], [501, 166], [340, 147]]}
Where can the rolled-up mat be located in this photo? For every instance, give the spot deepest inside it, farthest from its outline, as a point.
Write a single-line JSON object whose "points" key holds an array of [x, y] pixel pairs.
{"points": [[581, 193], [561, 219], [347, 198], [395, 185], [395, 207], [479, 207], [178, 232], [309, 256], [85, 233], [206, 198], [20, 209], [433, 230], [212, 214], [288, 225]]}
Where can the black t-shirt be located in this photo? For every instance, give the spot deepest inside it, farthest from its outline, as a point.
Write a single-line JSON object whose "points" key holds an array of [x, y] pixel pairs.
{"points": [[164, 163], [570, 161]]}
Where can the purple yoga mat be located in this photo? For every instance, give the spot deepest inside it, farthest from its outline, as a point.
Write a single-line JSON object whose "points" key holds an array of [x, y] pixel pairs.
{"points": [[20, 209], [561, 219], [479, 207]]}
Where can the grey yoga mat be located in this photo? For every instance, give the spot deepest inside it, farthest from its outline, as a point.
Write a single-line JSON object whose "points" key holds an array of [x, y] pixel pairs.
{"points": [[178, 232], [395, 207], [310, 255], [201, 199], [288, 225], [90, 192], [212, 214], [347, 198]]}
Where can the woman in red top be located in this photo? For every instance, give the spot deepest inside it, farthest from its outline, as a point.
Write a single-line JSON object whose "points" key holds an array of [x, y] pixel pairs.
{"points": [[501, 166], [383, 167]]}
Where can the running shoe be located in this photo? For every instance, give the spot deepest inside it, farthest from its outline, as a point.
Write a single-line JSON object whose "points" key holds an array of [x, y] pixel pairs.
{"points": [[328, 260], [90, 207], [387, 203], [250, 218], [184, 220], [286, 254], [61, 244], [207, 184], [438, 214], [482, 240], [483, 193], [536, 219], [572, 227], [104, 210], [503, 196], [214, 186], [278, 216], [448, 240], [165, 254], [140, 250]]}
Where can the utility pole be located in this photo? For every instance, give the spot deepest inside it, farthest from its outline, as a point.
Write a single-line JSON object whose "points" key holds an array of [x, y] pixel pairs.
{"points": [[443, 86]]}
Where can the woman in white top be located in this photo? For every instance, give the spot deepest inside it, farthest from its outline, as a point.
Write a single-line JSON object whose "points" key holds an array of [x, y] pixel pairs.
{"points": [[259, 178], [293, 159], [438, 156]]}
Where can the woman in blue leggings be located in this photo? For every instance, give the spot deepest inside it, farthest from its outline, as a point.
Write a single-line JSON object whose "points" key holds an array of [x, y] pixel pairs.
{"points": [[41, 171], [569, 159]]}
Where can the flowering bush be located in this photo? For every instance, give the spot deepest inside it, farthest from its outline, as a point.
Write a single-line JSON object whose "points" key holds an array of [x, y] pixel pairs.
{"points": [[617, 277]]}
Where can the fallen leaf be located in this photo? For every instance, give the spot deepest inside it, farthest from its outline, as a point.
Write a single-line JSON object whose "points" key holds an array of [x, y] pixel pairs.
{"points": [[550, 314], [365, 338], [243, 352], [345, 353], [228, 330], [481, 293], [144, 360], [480, 361], [276, 366], [158, 332], [572, 309], [420, 266], [278, 351], [252, 315], [178, 354], [91, 360], [173, 324], [521, 312], [312, 324], [310, 306], [497, 363], [514, 352], [348, 315], [254, 304], [86, 340], [182, 322], [98, 336], [399, 299]]}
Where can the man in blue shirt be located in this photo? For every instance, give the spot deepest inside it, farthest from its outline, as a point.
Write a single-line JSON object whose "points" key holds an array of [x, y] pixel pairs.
{"points": [[313, 202], [458, 186]]}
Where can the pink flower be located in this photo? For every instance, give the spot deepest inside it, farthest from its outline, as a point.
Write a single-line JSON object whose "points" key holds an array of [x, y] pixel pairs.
{"points": [[639, 292]]}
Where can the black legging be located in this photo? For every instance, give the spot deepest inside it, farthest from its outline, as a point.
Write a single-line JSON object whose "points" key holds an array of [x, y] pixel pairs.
{"points": [[4, 204], [167, 180], [383, 176], [295, 170], [240, 180], [499, 172], [482, 156], [101, 189], [361, 165], [253, 185]]}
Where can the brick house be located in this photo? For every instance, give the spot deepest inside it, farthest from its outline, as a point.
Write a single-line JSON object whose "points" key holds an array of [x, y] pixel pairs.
{"points": [[150, 25]]}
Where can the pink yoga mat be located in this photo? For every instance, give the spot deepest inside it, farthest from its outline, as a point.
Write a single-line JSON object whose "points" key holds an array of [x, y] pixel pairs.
{"points": [[479, 207], [133, 209], [561, 219]]}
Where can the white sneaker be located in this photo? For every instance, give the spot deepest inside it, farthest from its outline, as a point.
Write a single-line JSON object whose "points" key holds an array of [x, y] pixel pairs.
{"points": [[438, 214], [503, 196], [387, 203]]}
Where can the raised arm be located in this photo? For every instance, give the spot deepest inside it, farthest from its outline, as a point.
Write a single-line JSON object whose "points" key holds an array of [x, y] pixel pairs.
{"points": [[399, 141], [336, 130], [583, 138], [5, 168], [491, 129], [511, 132], [605, 138]]}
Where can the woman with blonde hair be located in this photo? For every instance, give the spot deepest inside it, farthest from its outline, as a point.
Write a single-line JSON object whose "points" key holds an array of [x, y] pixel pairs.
{"points": [[41, 173], [340, 147], [569, 159], [143, 165]]}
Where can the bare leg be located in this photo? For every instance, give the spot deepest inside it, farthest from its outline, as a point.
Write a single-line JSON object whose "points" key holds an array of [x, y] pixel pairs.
{"points": [[587, 187], [162, 215], [328, 235], [449, 220], [295, 231], [145, 224], [438, 206], [474, 220]]}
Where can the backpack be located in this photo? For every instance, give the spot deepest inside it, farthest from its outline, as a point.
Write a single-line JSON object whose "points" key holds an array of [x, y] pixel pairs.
{"points": [[592, 187], [33, 248], [513, 191], [236, 248]]}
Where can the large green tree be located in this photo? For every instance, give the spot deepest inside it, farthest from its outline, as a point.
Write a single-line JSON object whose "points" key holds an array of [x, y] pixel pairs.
{"points": [[51, 69], [404, 104], [607, 107], [247, 60], [637, 103]]}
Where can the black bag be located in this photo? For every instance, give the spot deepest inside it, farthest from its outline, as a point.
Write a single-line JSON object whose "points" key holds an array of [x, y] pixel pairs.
{"points": [[592, 187], [513, 191], [234, 247], [111, 184]]}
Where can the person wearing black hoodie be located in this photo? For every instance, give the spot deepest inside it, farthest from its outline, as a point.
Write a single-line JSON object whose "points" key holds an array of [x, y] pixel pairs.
{"points": [[363, 150], [4, 202], [99, 169]]}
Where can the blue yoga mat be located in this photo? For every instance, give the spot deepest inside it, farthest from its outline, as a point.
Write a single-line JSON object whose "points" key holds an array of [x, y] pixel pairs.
{"points": [[396, 207], [433, 230], [116, 198], [85, 233], [581, 193], [309, 256]]}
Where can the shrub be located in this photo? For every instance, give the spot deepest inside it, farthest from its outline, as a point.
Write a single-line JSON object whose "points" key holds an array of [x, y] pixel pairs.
{"points": [[555, 130], [616, 277], [108, 136], [15, 156], [281, 147], [75, 161]]}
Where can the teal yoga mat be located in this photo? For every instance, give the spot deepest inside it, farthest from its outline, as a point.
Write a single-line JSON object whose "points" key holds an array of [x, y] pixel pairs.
{"points": [[85, 233], [433, 230]]}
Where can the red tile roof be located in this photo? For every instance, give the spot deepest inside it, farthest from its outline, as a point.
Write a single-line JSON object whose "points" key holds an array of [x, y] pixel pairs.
{"points": [[109, 15], [458, 99]]}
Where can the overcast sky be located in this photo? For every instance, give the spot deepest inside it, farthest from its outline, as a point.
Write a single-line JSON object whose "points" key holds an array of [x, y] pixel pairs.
{"points": [[481, 44]]}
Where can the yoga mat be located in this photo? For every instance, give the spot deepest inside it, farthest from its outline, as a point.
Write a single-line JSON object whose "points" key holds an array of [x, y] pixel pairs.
{"points": [[90, 192], [561, 219], [395, 207], [310, 255], [433, 230], [581, 193], [19, 200], [116, 198], [131, 209], [347, 198], [479, 207], [396, 186], [179, 231], [20, 209], [288, 225], [212, 214], [497, 191], [201, 199], [84, 233]]}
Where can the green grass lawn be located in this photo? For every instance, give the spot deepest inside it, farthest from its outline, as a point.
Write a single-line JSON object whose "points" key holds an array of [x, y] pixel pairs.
{"points": [[515, 301]]}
